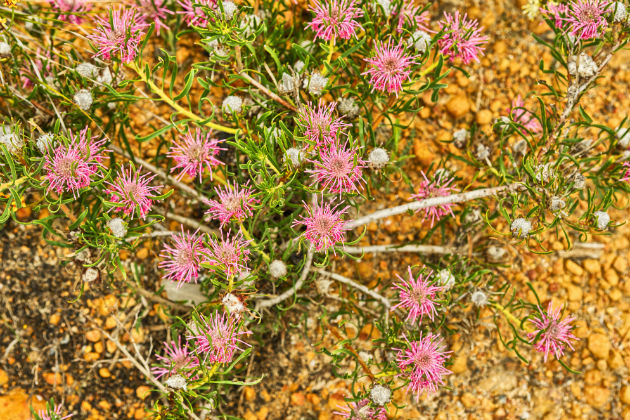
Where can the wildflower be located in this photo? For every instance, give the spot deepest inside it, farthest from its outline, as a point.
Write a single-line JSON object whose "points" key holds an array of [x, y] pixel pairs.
{"points": [[194, 14], [462, 38], [52, 413], [83, 99], [228, 255], [288, 83], [71, 165], [618, 11], [233, 304], [119, 35], [153, 11], [626, 176], [234, 203], [27, 74], [315, 84], [349, 107], [602, 219], [232, 104], [118, 227], [294, 156], [132, 192], [445, 278], [552, 334], [324, 225], [421, 41], [176, 382], [45, 142], [389, 68], [423, 363], [195, 152], [378, 158], [557, 11], [218, 338], [70, 10], [418, 296], [524, 117], [177, 360], [479, 298], [409, 12], [5, 49], [520, 227], [380, 394], [182, 261], [335, 18], [229, 9], [431, 189], [361, 410], [320, 127], [338, 169], [587, 18], [277, 269], [87, 70]]}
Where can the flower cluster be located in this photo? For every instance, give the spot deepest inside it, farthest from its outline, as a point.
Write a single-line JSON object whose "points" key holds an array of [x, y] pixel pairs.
{"points": [[422, 364], [217, 338], [552, 334], [194, 153], [462, 38], [417, 295], [335, 18], [438, 187]]}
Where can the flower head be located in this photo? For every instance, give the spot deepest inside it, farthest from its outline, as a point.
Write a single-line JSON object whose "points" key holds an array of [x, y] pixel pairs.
{"points": [[438, 187], [602, 219], [422, 362], [177, 359], [626, 176], [462, 38], [70, 10], [380, 394], [558, 12], [524, 117], [361, 410], [390, 67], [234, 203], [229, 254], [131, 190], [118, 227], [52, 413], [335, 18], [70, 166], [320, 127], [182, 261], [552, 334], [195, 152], [418, 296], [409, 13], [153, 11], [587, 18], [520, 227], [324, 225], [218, 337], [338, 169], [193, 13], [119, 35]]}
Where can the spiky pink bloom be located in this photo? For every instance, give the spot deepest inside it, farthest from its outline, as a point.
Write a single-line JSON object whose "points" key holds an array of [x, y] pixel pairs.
{"points": [[131, 190], [552, 333], [119, 34], [52, 413], [587, 18], [390, 67], [338, 169], [195, 152], [218, 338], [409, 13], [177, 359], [153, 11], [558, 12], [70, 166], [70, 10], [319, 125], [193, 13], [324, 225], [335, 18], [439, 187], [234, 203], [461, 38], [182, 261], [228, 255], [361, 410], [422, 363], [626, 176], [417, 295], [524, 117]]}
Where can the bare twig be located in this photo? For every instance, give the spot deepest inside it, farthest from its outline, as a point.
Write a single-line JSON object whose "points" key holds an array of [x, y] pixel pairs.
{"points": [[421, 249], [360, 287], [267, 92], [157, 298], [190, 222]]}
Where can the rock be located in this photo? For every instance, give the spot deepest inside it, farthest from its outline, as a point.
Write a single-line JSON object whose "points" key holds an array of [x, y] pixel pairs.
{"points": [[611, 277], [460, 363], [615, 361], [250, 416], [624, 395], [143, 391], [262, 413], [16, 405], [4, 378], [297, 398], [54, 319], [484, 117], [104, 372], [52, 378], [542, 403], [597, 396], [250, 394], [621, 264], [498, 381], [468, 399], [592, 266], [574, 293], [188, 292], [572, 267], [593, 377], [599, 345], [93, 336], [458, 106]]}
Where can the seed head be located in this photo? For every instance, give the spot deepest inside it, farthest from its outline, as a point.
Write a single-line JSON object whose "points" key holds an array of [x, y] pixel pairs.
{"points": [[288, 83], [233, 304], [12, 140], [421, 41], [45, 142], [229, 9], [349, 107], [585, 67], [277, 269], [556, 203], [87, 70], [90, 275], [623, 134], [232, 104], [380, 394], [315, 84], [378, 158], [618, 11], [521, 227], [176, 382], [479, 298], [118, 227], [445, 278], [602, 219], [83, 99], [294, 156], [5, 49]]}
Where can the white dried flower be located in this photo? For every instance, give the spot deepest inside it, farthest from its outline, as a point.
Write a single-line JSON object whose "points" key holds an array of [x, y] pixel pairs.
{"points": [[531, 9], [216, 47], [624, 137], [479, 298], [84, 255], [83, 99], [299, 66], [5, 49], [229, 9], [29, 25], [579, 181], [250, 23], [87, 70], [386, 5], [12, 141], [348, 107], [495, 254], [176, 382], [323, 285], [316, 83], [521, 227], [602, 219], [378, 158], [380, 394], [543, 173], [105, 77], [118, 227], [445, 278], [294, 156], [461, 135], [90, 275], [232, 104], [619, 11], [520, 147], [233, 304], [421, 41], [556, 203], [277, 269], [483, 152], [586, 68], [44, 142], [288, 83]]}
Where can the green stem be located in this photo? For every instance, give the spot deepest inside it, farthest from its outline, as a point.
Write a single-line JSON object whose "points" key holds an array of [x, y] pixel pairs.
{"points": [[17, 182], [331, 50], [428, 69], [249, 237], [510, 316]]}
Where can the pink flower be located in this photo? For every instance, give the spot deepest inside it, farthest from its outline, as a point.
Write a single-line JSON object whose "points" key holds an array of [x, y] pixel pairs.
{"points": [[120, 35], [229, 254], [132, 191], [389, 68], [338, 169], [70, 166], [461, 38], [52, 413], [361, 410], [431, 189], [422, 363], [194, 15], [195, 153], [626, 176], [418, 296], [177, 360], [587, 18], [219, 338], [324, 226], [551, 334], [524, 117], [183, 261], [152, 11], [408, 12], [559, 12], [319, 125], [27, 72], [335, 18], [70, 10], [234, 203]]}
